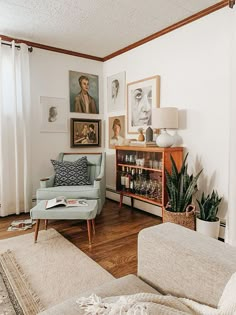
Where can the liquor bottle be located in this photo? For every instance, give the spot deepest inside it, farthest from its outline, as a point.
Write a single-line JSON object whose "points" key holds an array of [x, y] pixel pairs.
{"points": [[132, 178], [127, 180], [140, 174], [122, 178]]}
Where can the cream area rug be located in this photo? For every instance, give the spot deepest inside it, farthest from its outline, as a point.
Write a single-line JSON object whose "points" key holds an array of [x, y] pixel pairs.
{"points": [[54, 268]]}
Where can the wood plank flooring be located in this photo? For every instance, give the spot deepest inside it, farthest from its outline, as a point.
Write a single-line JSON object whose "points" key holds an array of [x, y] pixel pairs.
{"points": [[115, 243]]}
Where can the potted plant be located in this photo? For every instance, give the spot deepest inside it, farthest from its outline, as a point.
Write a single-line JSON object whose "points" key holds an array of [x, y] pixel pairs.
{"points": [[180, 189], [207, 222]]}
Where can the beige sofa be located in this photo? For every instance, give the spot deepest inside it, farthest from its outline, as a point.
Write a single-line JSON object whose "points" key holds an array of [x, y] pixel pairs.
{"points": [[171, 260]]}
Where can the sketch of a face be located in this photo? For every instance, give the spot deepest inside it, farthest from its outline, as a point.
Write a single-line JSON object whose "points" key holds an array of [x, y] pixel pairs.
{"points": [[114, 88], [142, 106], [52, 114]]}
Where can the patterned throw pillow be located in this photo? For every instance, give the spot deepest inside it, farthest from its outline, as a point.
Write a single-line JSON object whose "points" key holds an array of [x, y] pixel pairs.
{"points": [[71, 173]]}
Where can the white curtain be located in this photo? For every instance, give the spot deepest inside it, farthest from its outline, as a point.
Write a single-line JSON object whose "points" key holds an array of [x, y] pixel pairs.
{"points": [[15, 166], [231, 215]]}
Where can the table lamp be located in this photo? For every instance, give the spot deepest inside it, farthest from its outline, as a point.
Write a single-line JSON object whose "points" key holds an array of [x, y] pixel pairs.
{"points": [[165, 118]]}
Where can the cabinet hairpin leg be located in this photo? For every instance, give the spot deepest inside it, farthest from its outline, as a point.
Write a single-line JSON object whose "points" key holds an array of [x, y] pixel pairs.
{"points": [[132, 203]]}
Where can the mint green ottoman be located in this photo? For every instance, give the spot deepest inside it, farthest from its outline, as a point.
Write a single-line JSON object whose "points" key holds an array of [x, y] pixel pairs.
{"points": [[88, 213]]}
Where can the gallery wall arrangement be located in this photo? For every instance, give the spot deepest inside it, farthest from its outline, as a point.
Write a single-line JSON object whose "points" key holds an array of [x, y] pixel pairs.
{"points": [[138, 97]]}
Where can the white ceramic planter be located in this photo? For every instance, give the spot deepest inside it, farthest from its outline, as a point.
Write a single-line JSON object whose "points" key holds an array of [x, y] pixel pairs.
{"points": [[211, 229]]}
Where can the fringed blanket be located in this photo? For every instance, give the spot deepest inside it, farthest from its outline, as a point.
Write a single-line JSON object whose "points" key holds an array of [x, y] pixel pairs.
{"points": [[151, 304]]}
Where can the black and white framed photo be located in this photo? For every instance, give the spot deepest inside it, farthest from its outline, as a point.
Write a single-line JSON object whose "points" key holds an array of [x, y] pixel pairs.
{"points": [[53, 114], [85, 132], [142, 97], [116, 92]]}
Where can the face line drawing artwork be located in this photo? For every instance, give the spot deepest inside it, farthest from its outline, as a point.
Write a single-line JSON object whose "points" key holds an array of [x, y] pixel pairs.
{"points": [[142, 97], [116, 89]]}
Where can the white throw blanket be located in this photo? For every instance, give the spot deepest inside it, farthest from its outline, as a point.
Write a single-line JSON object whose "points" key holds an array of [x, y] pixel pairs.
{"points": [[152, 304]]}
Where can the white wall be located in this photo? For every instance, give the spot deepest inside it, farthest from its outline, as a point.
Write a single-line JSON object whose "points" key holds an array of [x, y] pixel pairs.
{"points": [[194, 65], [50, 77]]}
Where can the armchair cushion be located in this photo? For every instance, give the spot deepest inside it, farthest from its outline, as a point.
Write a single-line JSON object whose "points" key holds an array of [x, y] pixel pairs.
{"points": [[74, 192], [71, 173]]}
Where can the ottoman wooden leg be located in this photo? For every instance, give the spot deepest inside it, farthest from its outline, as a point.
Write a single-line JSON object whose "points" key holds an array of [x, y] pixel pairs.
{"points": [[93, 224], [89, 231], [36, 230]]}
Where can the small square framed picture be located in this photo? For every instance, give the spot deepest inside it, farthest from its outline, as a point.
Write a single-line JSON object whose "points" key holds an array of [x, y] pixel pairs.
{"points": [[53, 114], [85, 132]]}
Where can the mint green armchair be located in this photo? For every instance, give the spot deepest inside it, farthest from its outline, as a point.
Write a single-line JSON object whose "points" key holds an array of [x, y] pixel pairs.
{"points": [[95, 191]]}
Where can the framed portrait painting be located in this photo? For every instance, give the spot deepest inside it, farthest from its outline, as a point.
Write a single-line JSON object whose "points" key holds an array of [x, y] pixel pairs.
{"points": [[116, 131], [142, 97], [53, 114], [84, 92], [116, 92], [85, 132]]}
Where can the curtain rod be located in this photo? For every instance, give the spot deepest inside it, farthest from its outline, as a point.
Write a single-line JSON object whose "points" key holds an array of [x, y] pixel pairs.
{"points": [[30, 49]]}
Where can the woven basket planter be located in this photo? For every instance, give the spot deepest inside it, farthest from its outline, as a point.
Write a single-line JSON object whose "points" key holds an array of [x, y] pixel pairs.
{"points": [[186, 219]]}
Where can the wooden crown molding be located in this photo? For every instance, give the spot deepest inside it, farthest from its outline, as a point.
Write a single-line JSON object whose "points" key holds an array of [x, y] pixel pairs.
{"points": [[166, 30], [50, 48]]}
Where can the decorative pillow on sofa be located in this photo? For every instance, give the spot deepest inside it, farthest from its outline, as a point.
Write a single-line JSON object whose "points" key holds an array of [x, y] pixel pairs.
{"points": [[71, 173]]}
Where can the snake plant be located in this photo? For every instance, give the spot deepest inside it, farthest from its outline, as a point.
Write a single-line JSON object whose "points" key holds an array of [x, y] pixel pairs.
{"points": [[180, 186], [209, 206]]}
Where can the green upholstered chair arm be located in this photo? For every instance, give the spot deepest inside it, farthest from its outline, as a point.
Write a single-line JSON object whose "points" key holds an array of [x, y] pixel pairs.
{"points": [[47, 181], [101, 176]]}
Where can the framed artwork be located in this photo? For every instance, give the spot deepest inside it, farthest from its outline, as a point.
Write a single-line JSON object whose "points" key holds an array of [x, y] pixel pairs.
{"points": [[116, 92], [85, 132], [142, 96], [84, 92], [116, 131], [53, 114]]}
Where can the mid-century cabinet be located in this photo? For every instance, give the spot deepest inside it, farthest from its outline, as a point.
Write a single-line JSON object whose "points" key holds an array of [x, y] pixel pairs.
{"points": [[140, 172]]}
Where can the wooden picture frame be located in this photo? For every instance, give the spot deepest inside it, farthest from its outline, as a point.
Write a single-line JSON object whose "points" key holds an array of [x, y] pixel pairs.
{"points": [[85, 132], [116, 135], [142, 96]]}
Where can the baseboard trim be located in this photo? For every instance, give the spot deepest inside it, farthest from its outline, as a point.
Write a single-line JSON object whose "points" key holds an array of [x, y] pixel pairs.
{"points": [[112, 194], [144, 206]]}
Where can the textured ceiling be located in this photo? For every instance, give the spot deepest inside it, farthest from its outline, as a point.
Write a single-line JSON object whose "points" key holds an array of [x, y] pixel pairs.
{"points": [[94, 27]]}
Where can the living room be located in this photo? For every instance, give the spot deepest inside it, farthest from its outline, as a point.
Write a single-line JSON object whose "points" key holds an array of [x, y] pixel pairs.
{"points": [[197, 71]]}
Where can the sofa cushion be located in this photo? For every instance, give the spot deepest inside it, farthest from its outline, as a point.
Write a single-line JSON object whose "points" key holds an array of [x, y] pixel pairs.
{"points": [[71, 173], [190, 264], [126, 285]]}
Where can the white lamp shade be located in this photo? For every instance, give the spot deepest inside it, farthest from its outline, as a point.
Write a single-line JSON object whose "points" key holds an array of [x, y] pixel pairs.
{"points": [[165, 117]]}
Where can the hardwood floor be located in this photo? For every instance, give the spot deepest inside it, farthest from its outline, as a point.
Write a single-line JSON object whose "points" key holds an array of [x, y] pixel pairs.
{"points": [[115, 243]]}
